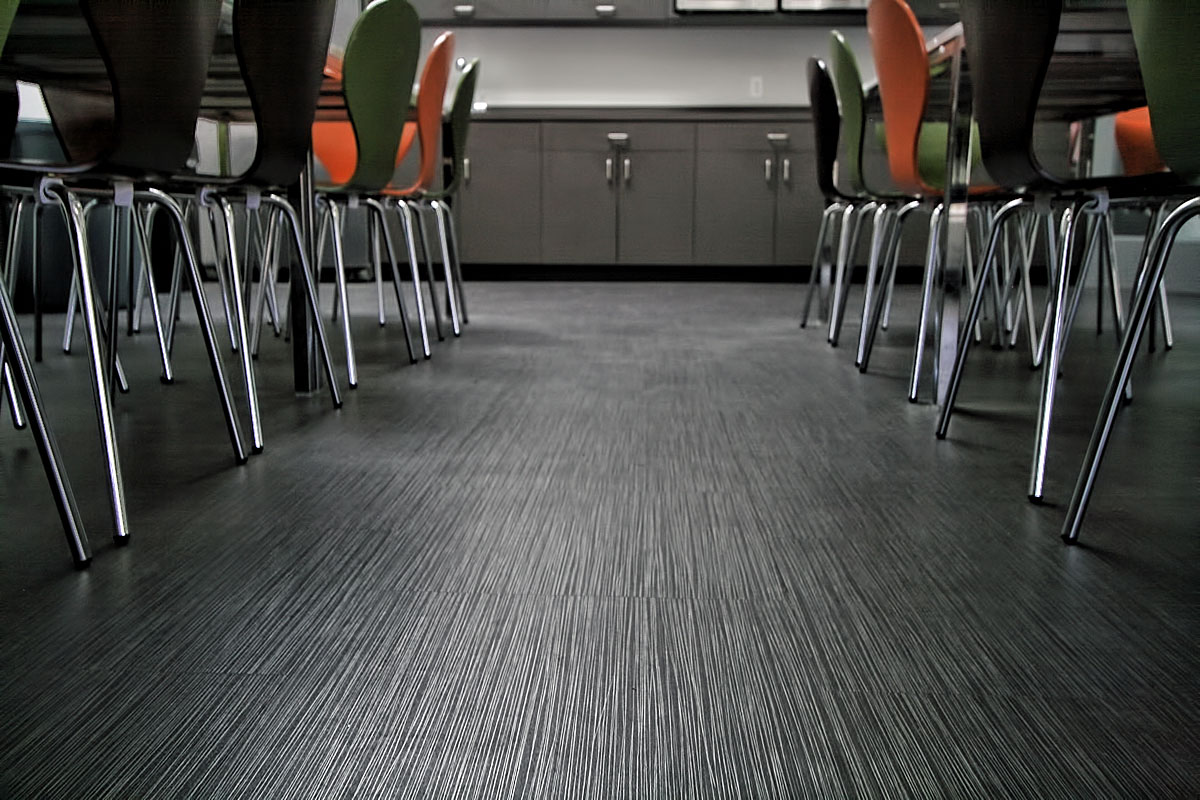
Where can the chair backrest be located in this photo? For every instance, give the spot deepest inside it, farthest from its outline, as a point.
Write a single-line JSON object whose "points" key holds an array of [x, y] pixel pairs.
{"points": [[431, 100], [377, 77], [1135, 142], [8, 9], [826, 124], [902, 68], [133, 111], [1009, 45], [1166, 34], [847, 83], [281, 48], [454, 132]]}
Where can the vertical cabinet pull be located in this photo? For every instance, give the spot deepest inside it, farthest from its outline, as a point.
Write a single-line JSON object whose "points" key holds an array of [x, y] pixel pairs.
{"points": [[787, 170], [627, 169], [768, 169], [466, 170], [608, 169]]}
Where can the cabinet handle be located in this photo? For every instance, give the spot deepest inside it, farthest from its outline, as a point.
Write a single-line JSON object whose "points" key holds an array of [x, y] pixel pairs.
{"points": [[466, 170], [778, 138], [608, 169], [618, 139], [606, 10], [627, 169], [464, 11], [768, 169], [787, 170]]}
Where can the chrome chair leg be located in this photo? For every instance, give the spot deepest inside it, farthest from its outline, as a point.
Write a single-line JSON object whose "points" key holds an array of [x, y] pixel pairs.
{"points": [[407, 224], [237, 301], [440, 213], [379, 223], [881, 227], [196, 285], [846, 254], [965, 338], [931, 259], [26, 392], [456, 261], [429, 273], [819, 260], [8, 392], [1162, 238], [1055, 337], [1052, 260], [890, 262], [143, 239], [377, 269], [310, 291], [264, 293], [100, 371], [222, 279], [339, 266]]}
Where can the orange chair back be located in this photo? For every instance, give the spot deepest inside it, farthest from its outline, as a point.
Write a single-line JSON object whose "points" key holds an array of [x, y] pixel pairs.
{"points": [[1135, 142], [902, 68], [431, 98]]}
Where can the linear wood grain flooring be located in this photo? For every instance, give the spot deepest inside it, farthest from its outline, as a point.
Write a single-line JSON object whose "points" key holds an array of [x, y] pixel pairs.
{"points": [[617, 541]]}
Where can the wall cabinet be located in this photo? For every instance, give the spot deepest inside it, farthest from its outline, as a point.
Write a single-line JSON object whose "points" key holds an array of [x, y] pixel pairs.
{"points": [[617, 193], [756, 196], [468, 11], [500, 201], [652, 193]]}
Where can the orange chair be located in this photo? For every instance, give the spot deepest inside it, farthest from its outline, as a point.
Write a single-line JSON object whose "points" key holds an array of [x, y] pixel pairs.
{"points": [[916, 149], [1135, 142], [427, 131], [335, 147]]}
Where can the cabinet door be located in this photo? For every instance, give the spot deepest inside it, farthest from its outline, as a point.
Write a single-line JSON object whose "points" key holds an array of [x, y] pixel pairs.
{"points": [[466, 11], [608, 9], [579, 185], [800, 202], [657, 175], [735, 195], [499, 203]]}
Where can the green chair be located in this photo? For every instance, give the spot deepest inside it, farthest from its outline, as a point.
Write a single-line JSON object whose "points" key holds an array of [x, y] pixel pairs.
{"points": [[378, 69], [456, 166]]}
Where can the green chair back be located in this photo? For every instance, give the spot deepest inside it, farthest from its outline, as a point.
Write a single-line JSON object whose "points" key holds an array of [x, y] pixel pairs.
{"points": [[377, 77], [454, 141], [847, 83], [8, 10], [1166, 34]]}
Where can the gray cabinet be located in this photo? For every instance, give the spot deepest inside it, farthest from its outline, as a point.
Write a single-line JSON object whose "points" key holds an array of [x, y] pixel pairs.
{"points": [[467, 11], [579, 195], [464, 12], [756, 196], [617, 193], [615, 10], [499, 204]]}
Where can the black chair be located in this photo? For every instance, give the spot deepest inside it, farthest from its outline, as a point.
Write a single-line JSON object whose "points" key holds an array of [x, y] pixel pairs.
{"points": [[1165, 34], [280, 48], [1010, 44], [122, 80]]}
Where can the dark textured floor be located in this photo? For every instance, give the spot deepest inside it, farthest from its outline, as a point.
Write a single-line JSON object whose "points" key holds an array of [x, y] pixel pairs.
{"points": [[618, 541]]}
